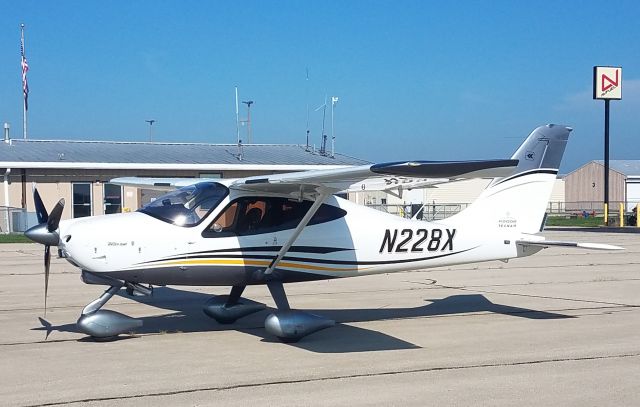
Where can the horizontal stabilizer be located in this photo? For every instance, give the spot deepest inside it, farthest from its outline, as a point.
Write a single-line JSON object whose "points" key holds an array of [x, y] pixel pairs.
{"points": [[551, 243]]}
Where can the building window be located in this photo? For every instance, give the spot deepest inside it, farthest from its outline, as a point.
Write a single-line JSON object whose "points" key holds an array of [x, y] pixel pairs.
{"points": [[81, 199], [112, 198], [213, 175]]}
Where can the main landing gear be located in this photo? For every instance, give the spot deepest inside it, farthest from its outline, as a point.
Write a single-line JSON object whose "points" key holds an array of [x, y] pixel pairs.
{"points": [[226, 310], [286, 324], [291, 325]]}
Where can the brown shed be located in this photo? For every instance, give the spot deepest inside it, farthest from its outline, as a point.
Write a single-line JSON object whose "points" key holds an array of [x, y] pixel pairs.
{"points": [[584, 187]]}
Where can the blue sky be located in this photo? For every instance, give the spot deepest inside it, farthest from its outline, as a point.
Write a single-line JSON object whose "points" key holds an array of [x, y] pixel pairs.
{"points": [[416, 79]]}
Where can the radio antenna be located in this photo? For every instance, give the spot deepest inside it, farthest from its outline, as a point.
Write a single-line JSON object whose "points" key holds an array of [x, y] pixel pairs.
{"points": [[307, 98]]}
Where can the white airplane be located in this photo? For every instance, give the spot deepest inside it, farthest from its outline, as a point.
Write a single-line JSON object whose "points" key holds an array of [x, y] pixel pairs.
{"points": [[284, 228]]}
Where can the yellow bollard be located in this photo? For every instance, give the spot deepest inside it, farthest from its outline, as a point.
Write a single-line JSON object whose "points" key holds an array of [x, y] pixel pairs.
{"points": [[606, 214], [621, 214]]}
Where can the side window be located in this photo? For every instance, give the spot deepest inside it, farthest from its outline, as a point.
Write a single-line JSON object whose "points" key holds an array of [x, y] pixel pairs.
{"points": [[227, 219], [250, 216]]}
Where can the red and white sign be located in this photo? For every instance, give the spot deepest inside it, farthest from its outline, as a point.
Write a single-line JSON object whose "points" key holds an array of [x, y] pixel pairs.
{"points": [[607, 82]]}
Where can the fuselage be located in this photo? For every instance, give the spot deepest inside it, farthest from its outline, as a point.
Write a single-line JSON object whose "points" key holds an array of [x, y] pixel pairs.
{"points": [[348, 240]]}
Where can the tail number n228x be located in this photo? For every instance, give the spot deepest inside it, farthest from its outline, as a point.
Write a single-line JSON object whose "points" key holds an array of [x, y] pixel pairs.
{"points": [[408, 240]]}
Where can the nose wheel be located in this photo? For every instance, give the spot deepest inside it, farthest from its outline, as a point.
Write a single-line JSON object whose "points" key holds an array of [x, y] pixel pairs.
{"points": [[100, 323]]}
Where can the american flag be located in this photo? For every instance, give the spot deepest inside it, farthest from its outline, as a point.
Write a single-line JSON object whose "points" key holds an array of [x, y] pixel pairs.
{"points": [[25, 69]]}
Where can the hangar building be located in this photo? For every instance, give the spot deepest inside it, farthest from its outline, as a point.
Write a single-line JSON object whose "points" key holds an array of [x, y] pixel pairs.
{"points": [[585, 185], [79, 171]]}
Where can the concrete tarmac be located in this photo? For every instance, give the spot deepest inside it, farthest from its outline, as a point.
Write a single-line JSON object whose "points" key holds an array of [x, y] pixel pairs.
{"points": [[561, 327]]}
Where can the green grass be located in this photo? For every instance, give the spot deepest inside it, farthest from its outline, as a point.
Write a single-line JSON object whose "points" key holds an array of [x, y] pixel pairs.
{"points": [[575, 221], [14, 238]]}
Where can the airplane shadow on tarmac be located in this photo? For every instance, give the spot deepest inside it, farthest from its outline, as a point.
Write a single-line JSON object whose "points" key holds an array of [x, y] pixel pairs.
{"points": [[342, 338]]}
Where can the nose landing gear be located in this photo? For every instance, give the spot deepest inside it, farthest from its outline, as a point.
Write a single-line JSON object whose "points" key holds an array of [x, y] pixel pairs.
{"points": [[105, 323]]}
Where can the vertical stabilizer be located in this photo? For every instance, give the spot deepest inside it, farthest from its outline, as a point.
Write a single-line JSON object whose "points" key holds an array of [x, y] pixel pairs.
{"points": [[518, 202]]}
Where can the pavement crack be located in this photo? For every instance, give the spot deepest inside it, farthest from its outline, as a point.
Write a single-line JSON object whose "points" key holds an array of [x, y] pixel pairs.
{"points": [[341, 377]]}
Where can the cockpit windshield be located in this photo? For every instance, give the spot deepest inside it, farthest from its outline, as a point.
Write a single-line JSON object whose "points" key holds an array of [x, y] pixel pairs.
{"points": [[188, 205]]}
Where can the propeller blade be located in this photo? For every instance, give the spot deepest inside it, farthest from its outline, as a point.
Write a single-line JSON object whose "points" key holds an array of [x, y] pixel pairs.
{"points": [[47, 264], [54, 218], [46, 325], [41, 211]]}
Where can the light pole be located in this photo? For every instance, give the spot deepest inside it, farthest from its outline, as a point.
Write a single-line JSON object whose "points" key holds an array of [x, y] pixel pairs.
{"points": [[607, 85], [323, 145], [334, 100], [249, 135], [150, 128]]}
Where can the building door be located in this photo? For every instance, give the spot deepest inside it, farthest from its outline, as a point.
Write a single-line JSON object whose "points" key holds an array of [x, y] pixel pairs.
{"points": [[633, 194], [112, 198], [81, 199]]}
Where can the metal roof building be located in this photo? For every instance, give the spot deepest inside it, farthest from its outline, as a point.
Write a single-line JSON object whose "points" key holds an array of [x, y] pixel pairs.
{"points": [[629, 168], [79, 171], [585, 185], [179, 156]]}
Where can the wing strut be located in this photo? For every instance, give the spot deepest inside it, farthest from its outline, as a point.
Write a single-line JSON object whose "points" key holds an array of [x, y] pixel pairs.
{"points": [[303, 223]]}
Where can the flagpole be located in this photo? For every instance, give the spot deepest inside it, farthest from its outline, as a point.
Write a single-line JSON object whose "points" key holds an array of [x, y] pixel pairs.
{"points": [[24, 98]]}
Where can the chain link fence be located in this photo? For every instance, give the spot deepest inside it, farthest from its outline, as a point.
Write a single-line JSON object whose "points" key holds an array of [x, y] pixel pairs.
{"points": [[440, 211], [423, 212], [592, 208]]}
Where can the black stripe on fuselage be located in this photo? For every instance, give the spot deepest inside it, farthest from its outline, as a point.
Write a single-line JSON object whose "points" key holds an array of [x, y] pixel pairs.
{"points": [[294, 249], [530, 172]]}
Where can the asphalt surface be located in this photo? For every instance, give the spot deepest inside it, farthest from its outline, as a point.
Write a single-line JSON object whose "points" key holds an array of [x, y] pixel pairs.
{"points": [[561, 327]]}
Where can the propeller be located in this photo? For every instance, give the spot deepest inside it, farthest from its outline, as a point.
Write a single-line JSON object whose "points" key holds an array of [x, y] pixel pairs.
{"points": [[41, 211], [46, 233]]}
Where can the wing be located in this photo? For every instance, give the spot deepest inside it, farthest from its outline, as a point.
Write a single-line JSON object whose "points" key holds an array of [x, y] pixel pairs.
{"points": [[377, 177]]}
